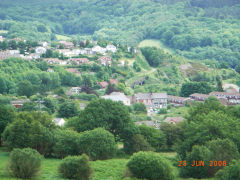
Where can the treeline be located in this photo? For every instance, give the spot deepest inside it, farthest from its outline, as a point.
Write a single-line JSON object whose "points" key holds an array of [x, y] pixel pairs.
{"points": [[195, 33], [213, 3]]}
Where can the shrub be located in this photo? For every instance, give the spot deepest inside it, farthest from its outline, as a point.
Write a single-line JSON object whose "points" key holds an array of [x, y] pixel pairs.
{"points": [[222, 150], [30, 129], [24, 163], [66, 143], [198, 153], [139, 143], [97, 144], [162, 111], [154, 137], [230, 172], [76, 167], [139, 107], [151, 166]]}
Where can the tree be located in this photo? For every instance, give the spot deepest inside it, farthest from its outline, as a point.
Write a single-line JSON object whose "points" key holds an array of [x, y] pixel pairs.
{"points": [[97, 144], [24, 163], [3, 85], [139, 143], [6, 116], [28, 106], [173, 133], [25, 88], [154, 137], [30, 129], [139, 107], [151, 166], [230, 172], [12, 44], [195, 87], [198, 154], [69, 109], [76, 167], [66, 143], [237, 68], [112, 116], [111, 88], [222, 150], [208, 121]]}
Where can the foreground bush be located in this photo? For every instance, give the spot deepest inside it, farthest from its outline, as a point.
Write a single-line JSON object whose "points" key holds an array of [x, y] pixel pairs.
{"points": [[76, 167], [24, 163], [97, 144], [231, 172], [151, 166]]}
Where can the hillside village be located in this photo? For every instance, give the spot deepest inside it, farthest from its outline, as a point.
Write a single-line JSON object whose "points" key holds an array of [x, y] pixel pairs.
{"points": [[71, 56]]}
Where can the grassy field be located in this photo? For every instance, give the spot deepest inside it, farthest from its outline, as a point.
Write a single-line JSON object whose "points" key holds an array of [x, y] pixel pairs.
{"points": [[103, 170], [61, 37], [155, 43], [112, 169], [3, 32]]}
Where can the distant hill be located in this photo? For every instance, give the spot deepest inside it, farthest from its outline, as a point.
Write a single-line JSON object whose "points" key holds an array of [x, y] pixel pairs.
{"points": [[214, 3], [196, 29]]}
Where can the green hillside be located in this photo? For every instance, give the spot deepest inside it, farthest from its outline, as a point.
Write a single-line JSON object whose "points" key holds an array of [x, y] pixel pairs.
{"points": [[197, 29]]}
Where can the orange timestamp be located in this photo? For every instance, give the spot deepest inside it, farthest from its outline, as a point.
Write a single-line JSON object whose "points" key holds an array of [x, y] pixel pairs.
{"points": [[202, 163]]}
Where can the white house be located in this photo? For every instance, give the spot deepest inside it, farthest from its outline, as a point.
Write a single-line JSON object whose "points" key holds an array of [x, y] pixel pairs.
{"points": [[75, 90], [119, 97], [98, 49], [59, 121], [40, 50], [13, 52], [44, 44], [111, 48]]}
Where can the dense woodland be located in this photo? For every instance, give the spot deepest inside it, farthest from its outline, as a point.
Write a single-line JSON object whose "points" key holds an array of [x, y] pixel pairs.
{"points": [[197, 29]]}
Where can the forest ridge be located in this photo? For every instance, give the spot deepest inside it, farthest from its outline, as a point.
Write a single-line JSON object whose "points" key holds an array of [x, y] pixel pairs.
{"points": [[196, 29]]}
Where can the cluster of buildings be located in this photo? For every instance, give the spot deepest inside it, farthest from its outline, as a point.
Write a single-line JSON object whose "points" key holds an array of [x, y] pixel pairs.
{"points": [[161, 100], [104, 60], [68, 49]]}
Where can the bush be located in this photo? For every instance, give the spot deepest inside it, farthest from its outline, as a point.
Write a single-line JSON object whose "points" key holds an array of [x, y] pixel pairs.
{"points": [[154, 137], [230, 172], [85, 96], [139, 143], [162, 111], [198, 153], [139, 107], [97, 144], [151, 166], [76, 167], [30, 129], [66, 143], [222, 150], [24, 163]]}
